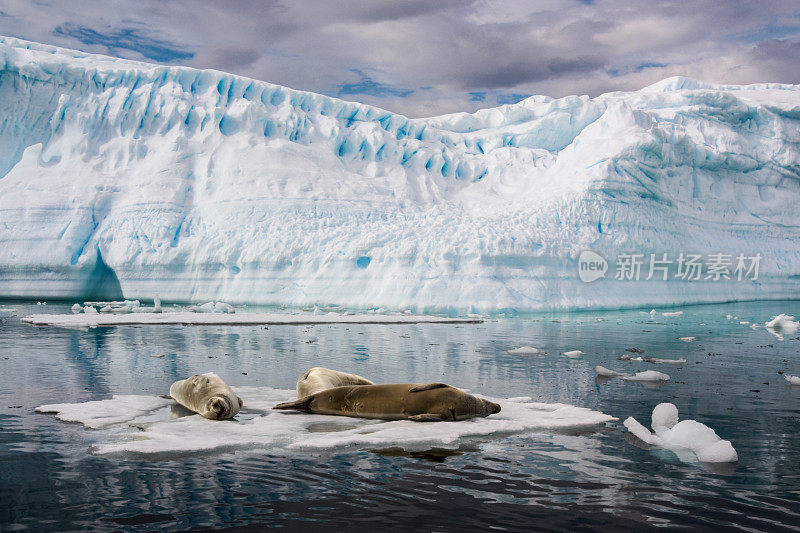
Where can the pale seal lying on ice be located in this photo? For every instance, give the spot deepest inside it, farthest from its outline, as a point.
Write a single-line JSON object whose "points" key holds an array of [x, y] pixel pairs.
{"points": [[318, 379], [206, 395]]}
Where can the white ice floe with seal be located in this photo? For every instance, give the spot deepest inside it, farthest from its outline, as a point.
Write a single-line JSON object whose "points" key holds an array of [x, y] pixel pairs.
{"points": [[681, 436], [527, 350], [144, 426]]}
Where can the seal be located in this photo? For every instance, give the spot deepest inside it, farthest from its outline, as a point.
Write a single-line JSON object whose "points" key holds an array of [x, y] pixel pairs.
{"points": [[433, 402], [318, 379], [206, 395]]}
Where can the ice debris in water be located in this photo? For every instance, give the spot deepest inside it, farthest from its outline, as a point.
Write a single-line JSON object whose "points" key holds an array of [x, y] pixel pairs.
{"points": [[143, 425], [527, 350], [647, 375], [673, 313], [686, 339], [707, 446], [573, 354], [783, 323], [213, 307], [607, 373], [793, 380]]}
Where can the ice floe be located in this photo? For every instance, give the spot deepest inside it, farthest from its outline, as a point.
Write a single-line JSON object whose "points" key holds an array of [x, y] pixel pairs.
{"points": [[793, 380], [782, 324], [690, 435], [146, 426], [527, 350], [91, 320], [647, 375], [672, 313], [687, 339], [573, 354]]}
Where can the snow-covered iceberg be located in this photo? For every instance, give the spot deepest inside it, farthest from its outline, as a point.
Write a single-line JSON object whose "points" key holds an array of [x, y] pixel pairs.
{"points": [[121, 179]]}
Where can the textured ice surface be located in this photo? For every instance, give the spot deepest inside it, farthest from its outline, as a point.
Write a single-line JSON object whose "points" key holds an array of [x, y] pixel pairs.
{"points": [[684, 435], [92, 320], [793, 380], [120, 179], [146, 425]]}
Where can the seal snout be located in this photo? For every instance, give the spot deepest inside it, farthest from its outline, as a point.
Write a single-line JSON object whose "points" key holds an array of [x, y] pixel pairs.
{"points": [[492, 408], [219, 407]]}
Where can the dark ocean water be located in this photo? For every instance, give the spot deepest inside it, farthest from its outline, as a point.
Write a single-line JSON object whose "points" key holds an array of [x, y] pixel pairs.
{"points": [[533, 481]]}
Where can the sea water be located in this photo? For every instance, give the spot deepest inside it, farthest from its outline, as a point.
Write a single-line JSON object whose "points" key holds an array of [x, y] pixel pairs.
{"points": [[52, 479]]}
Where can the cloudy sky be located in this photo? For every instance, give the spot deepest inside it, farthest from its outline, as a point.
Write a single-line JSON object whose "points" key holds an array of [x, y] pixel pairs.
{"points": [[427, 57]]}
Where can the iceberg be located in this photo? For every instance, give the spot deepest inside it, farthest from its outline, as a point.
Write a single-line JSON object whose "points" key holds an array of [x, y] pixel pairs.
{"points": [[121, 179]]}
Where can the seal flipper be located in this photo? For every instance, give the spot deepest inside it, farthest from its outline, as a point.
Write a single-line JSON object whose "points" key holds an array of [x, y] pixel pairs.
{"points": [[429, 386], [427, 417], [303, 404], [166, 397]]}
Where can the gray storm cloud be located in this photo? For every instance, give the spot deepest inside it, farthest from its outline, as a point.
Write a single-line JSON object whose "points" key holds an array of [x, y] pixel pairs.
{"points": [[423, 58]]}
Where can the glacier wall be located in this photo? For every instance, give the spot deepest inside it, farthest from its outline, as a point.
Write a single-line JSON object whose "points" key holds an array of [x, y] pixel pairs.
{"points": [[120, 178]]}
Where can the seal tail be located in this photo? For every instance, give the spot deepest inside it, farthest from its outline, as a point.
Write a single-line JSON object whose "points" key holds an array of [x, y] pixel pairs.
{"points": [[303, 404]]}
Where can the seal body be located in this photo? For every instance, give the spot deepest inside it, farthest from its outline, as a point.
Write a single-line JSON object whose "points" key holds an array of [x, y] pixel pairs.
{"points": [[206, 395], [433, 402], [318, 379]]}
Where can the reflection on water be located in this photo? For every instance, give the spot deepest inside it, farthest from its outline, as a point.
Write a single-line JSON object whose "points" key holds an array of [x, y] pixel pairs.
{"points": [[730, 382]]}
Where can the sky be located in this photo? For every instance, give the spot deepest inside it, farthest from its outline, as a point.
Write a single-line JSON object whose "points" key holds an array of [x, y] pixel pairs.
{"points": [[430, 57]]}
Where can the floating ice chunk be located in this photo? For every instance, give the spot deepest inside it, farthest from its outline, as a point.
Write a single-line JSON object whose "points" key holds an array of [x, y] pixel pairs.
{"points": [[658, 361], [607, 373], [141, 425], [207, 307], [783, 323], [793, 380], [106, 309], [527, 350], [673, 313], [647, 375], [157, 304], [121, 408], [573, 354], [89, 310], [653, 312], [686, 339], [729, 317], [222, 307], [626, 357], [76, 308], [707, 446], [744, 322], [186, 317]]}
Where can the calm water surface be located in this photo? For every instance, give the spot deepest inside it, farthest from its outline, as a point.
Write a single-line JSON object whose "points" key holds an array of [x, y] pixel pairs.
{"points": [[533, 481]]}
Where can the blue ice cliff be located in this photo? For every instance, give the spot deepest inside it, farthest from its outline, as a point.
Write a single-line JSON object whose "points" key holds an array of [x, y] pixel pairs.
{"points": [[120, 178]]}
